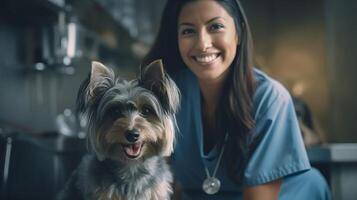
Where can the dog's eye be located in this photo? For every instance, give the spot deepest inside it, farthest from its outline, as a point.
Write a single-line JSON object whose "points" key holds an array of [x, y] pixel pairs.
{"points": [[115, 113], [147, 111]]}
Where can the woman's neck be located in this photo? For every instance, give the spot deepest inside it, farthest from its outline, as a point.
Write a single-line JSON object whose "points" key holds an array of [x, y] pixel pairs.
{"points": [[211, 93]]}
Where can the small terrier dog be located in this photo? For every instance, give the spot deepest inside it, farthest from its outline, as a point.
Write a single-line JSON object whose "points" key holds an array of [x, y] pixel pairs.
{"points": [[131, 128]]}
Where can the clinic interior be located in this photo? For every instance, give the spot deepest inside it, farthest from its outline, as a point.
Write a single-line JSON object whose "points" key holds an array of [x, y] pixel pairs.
{"points": [[46, 47]]}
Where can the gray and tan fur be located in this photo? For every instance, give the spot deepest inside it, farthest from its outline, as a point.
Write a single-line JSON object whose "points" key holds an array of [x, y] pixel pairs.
{"points": [[131, 128]]}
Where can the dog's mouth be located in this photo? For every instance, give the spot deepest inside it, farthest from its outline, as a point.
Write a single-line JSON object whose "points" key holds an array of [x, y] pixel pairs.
{"points": [[133, 150]]}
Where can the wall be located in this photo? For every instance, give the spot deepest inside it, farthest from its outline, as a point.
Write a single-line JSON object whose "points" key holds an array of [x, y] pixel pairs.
{"points": [[307, 46], [341, 27]]}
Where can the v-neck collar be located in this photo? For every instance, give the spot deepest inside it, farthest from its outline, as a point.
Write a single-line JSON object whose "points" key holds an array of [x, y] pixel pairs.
{"points": [[212, 153]]}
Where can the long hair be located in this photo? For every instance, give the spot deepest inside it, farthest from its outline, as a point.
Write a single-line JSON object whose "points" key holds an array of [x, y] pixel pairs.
{"points": [[239, 86]]}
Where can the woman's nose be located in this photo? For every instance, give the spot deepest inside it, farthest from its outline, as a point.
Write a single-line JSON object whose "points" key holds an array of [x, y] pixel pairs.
{"points": [[204, 41]]}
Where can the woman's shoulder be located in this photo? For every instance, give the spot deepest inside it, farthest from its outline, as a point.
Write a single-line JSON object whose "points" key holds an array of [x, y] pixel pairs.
{"points": [[268, 92], [265, 85]]}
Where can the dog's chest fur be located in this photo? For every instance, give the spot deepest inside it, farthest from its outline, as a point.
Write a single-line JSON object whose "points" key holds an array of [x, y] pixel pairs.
{"points": [[158, 193], [150, 180]]}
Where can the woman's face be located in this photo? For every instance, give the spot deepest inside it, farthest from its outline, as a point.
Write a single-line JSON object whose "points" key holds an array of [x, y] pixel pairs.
{"points": [[207, 39]]}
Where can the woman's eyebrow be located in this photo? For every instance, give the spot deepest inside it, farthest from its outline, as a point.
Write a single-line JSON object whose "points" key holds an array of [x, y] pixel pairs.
{"points": [[214, 18], [207, 22]]}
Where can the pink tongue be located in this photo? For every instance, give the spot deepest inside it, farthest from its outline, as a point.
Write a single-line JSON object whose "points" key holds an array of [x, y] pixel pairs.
{"points": [[133, 150]]}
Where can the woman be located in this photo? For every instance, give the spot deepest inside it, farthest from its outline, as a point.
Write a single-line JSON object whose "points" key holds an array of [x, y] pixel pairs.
{"points": [[239, 137]]}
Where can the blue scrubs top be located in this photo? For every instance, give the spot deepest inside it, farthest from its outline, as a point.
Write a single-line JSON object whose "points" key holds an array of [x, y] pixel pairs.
{"points": [[279, 153]]}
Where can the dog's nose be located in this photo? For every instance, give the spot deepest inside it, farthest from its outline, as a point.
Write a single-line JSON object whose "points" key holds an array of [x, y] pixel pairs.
{"points": [[132, 135]]}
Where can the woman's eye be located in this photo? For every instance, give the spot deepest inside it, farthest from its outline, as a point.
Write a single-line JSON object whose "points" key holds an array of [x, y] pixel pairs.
{"points": [[187, 31], [216, 27]]}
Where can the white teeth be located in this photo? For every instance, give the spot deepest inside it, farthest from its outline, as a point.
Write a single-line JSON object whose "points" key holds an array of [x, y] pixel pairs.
{"points": [[206, 58]]}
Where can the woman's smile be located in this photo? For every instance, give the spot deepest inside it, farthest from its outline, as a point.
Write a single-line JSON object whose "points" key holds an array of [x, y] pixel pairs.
{"points": [[206, 59]]}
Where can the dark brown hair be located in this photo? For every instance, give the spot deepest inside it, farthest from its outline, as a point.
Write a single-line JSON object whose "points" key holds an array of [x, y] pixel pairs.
{"points": [[239, 87]]}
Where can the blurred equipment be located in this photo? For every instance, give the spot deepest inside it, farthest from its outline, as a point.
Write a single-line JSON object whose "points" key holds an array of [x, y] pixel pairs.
{"points": [[69, 125], [59, 44], [36, 166]]}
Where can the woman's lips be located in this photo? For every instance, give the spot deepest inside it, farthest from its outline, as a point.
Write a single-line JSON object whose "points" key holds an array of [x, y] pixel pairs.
{"points": [[206, 58]]}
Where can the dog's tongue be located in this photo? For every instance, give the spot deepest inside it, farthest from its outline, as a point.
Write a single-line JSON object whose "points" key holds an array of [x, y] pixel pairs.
{"points": [[133, 150]]}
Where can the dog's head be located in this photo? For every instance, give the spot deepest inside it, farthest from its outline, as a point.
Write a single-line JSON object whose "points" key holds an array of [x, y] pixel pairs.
{"points": [[129, 120]]}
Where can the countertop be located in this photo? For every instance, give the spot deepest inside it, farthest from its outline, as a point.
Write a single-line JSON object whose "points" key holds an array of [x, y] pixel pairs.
{"points": [[334, 152]]}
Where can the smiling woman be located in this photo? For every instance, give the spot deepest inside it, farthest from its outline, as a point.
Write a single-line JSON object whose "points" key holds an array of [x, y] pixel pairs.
{"points": [[239, 136], [207, 40]]}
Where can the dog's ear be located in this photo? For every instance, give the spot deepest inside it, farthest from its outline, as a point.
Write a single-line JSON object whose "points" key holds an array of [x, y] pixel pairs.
{"points": [[152, 75], [101, 78], [154, 78], [94, 86]]}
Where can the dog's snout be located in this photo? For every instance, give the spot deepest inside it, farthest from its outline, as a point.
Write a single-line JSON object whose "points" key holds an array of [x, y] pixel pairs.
{"points": [[132, 135]]}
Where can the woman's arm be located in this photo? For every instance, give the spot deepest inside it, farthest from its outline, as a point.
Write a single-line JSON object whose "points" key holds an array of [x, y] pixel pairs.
{"points": [[268, 191]]}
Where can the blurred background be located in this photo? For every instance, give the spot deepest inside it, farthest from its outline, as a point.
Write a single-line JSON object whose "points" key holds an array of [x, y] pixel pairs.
{"points": [[46, 47]]}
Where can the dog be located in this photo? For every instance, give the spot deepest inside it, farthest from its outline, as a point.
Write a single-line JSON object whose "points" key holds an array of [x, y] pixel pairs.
{"points": [[131, 130]]}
